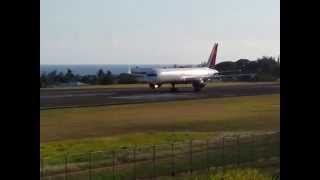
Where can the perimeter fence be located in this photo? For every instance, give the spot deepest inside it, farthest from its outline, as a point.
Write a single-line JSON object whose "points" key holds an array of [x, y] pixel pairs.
{"points": [[156, 161]]}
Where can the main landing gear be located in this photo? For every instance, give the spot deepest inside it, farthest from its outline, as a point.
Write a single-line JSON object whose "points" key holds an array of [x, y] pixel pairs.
{"points": [[173, 88], [197, 85]]}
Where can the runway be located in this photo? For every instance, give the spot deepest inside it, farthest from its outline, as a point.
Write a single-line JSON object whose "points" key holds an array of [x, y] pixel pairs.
{"points": [[55, 99]]}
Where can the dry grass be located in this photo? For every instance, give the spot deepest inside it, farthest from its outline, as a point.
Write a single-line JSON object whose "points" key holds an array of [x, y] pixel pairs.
{"points": [[209, 115]]}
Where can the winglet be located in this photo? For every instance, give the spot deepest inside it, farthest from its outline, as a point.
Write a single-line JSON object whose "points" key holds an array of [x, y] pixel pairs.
{"points": [[213, 56]]}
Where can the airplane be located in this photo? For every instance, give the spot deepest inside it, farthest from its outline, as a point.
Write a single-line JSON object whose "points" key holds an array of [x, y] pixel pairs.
{"points": [[197, 76]]}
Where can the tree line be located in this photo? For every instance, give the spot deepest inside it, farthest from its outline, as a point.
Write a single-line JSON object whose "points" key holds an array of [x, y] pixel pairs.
{"points": [[100, 78], [264, 69]]}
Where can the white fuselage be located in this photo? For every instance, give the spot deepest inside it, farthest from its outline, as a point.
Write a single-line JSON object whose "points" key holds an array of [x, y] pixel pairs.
{"points": [[198, 76], [173, 75]]}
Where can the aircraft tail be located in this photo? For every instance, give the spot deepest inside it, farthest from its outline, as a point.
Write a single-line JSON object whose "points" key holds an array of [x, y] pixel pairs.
{"points": [[212, 59]]}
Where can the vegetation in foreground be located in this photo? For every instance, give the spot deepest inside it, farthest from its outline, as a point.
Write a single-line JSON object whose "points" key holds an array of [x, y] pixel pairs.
{"points": [[78, 146], [239, 174], [263, 152], [232, 174]]}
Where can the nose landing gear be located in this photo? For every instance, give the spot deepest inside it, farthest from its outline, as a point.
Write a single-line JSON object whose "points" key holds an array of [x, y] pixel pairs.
{"points": [[154, 86]]}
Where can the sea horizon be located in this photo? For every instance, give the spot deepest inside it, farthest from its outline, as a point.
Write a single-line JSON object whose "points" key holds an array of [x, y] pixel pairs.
{"points": [[91, 69]]}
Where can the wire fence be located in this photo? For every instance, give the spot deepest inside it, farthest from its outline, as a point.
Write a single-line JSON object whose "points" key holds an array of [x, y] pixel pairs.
{"points": [[174, 159]]}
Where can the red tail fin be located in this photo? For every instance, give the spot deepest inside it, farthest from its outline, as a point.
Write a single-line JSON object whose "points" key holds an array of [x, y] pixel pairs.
{"points": [[213, 56]]}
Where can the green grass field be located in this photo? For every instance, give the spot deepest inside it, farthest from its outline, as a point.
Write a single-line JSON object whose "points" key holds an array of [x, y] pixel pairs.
{"points": [[80, 130]]}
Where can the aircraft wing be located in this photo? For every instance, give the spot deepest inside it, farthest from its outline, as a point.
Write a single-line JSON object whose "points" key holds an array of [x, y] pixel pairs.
{"points": [[189, 78], [193, 78]]}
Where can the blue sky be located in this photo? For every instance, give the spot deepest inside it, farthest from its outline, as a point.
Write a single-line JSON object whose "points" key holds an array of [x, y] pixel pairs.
{"points": [[157, 31]]}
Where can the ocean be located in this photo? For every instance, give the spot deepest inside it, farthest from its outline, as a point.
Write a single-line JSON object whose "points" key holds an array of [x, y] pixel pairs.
{"points": [[92, 69]]}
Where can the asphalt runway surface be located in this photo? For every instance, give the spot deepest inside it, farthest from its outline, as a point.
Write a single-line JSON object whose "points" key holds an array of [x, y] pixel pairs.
{"points": [[67, 98]]}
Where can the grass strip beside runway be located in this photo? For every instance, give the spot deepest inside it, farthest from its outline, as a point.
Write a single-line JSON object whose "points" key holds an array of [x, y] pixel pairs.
{"points": [[87, 129]]}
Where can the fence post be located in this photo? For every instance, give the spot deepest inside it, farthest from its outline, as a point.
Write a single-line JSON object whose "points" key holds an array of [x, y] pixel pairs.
{"points": [[134, 163], [271, 145], [207, 155], [66, 167], [41, 168], [154, 161], [252, 148], [173, 163], [223, 163], [190, 150], [265, 147], [90, 165], [113, 165], [238, 150]]}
